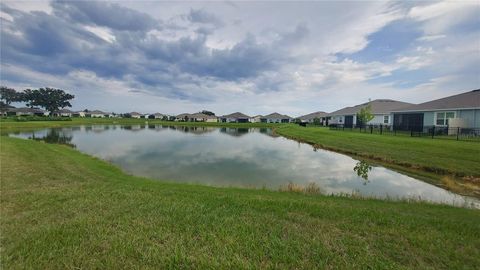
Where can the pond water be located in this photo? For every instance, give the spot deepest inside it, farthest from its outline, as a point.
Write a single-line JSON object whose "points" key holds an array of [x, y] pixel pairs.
{"points": [[243, 157]]}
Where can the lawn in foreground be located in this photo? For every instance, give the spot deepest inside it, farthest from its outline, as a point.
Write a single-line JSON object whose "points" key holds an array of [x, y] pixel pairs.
{"points": [[63, 209]]}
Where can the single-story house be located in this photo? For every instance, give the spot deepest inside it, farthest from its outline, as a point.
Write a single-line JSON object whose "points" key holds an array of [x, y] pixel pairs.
{"points": [[63, 113], [135, 115], [381, 109], [310, 118], [25, 111], [78, 114], [201, 117], [96, 114], [276, 118], [154, 116], [183, 117], [256, 118], [237, 117], [462, 110]]}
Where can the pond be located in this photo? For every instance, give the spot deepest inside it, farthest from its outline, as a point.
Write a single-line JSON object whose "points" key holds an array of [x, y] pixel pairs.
{"points": [[240, 157]]}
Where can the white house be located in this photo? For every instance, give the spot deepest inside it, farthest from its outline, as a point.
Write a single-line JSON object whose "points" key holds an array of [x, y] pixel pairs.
{"points": [[63, 113], [154, 116], [78, 114], [256, 118], [96, 114], [135, 115], [381, 109]]}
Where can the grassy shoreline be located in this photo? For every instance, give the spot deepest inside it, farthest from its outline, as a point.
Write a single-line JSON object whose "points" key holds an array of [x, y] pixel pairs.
{"points": [[64, 209], [452, 165]]}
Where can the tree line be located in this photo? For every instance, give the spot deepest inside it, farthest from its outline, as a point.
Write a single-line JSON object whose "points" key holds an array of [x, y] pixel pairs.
{"points": [[51, 99]]}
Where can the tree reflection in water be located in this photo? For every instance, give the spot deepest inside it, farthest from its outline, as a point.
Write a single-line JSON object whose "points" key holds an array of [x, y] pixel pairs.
{"points": [[54, 136], [362, 168]]}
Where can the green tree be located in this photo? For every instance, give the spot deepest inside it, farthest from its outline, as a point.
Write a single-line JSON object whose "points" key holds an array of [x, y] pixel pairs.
{"points": [[9, 95], [365, 115], [49, 98], [208, 113], [316, 121]]}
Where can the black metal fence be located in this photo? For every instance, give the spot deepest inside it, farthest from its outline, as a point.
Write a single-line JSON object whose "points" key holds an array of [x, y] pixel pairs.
{"points": [[434, 132]]}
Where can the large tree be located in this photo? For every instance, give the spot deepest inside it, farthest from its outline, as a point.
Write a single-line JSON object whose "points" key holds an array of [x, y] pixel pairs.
{"points": [[49, 98], [9, 95]]}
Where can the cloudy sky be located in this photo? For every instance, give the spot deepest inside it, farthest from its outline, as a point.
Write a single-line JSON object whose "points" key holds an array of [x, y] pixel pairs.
{"points": [[254, 57]]}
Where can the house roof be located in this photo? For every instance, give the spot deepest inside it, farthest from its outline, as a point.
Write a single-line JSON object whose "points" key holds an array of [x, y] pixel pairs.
{"points": [[313, 115], [182, 115], [158, 114], [379, 106], [465, 100], [135, 113], [64, 111], [26, 110], [236, 115], [96, 112], [202, 115], [276, 115]]}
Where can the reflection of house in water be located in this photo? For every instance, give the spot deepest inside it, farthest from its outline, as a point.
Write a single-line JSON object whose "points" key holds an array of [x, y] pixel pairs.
{"points": [[269, 132], [193, 130], [156, 127], [100, 128], [235, 131], [133, 127]]}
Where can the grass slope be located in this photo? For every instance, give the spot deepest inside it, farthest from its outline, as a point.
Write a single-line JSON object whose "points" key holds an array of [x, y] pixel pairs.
{"points": [[61, 209]]}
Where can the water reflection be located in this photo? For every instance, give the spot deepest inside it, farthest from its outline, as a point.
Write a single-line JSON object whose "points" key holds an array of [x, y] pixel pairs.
{"points": [[362, 168], [239, 157], [54, 136]]}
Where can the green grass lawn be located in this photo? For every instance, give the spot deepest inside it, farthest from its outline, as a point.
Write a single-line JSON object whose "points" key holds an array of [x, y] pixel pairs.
{"points": [[61, 209]]}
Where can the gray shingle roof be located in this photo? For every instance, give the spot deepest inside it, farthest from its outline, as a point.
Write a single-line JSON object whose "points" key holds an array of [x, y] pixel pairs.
{"points": [[379, 106], [236, 115], [465, 100], [202, 115], [276, 115], [96, 112], [26, 110], [313, 115]]}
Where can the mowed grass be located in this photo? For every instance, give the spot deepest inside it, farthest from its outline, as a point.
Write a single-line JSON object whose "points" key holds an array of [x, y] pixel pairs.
{"points": [[436, 157], [61, 209]]}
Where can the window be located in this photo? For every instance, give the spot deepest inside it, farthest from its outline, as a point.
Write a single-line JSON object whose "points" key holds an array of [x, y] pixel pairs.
{"points": [[442, 118], [385, 119]]}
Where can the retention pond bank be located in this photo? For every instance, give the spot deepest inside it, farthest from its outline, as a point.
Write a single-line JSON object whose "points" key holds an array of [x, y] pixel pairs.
{"points": [[239, 157]]}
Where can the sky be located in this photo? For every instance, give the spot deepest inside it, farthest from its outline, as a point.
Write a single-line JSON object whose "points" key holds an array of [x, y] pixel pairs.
{"points": [[255, 57]]}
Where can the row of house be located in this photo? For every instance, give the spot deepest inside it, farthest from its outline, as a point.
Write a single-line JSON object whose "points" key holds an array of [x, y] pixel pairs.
{"points": [[461, 110]]}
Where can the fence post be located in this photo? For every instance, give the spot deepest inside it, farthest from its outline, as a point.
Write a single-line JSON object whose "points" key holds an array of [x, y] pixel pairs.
{"points": [[433, 131], [371, 129], [411, 132], [381, 129], [458, 131]]}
